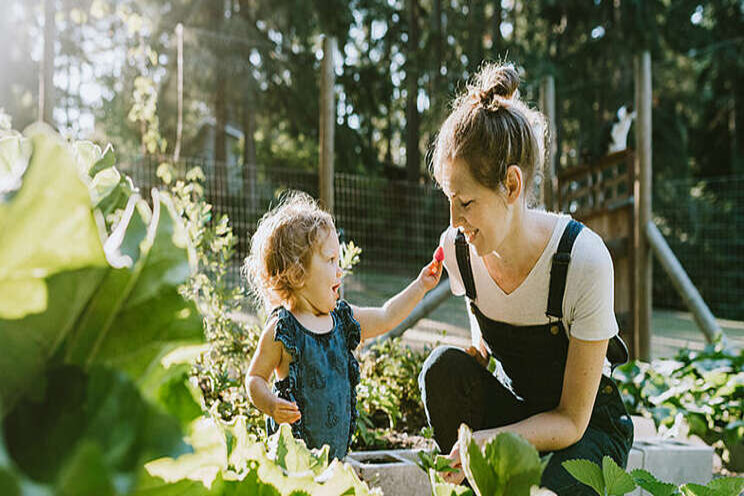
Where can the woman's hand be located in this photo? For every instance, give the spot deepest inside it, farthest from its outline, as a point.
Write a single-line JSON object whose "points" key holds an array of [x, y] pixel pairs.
{"points": [[479, 355], [456, 463], [284, 412]]}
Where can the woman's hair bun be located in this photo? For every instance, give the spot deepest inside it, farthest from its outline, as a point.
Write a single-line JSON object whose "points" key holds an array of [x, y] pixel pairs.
{"points": [[495, 80]]}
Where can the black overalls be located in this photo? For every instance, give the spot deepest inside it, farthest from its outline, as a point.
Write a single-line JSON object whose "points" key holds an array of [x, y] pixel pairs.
{"points": [[457, 389]]}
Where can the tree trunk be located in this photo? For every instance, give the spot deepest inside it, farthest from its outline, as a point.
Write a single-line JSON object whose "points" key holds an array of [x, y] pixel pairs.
{"points": [[249, 149], [46, 76], [220, 107], [413, 168], [476, 17], [438, 56], [496, 39]]}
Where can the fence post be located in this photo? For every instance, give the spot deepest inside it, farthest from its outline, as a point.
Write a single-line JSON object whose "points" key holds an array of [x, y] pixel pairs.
{"points": [[642, 307], [547, 105], [327, 123]]}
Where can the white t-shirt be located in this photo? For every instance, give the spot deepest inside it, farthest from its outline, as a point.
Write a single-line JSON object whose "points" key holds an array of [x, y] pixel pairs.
{"points": [[588, 300]]}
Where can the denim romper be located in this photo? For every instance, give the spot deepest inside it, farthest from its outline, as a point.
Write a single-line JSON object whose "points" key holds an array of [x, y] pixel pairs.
{"points": [[322, 380], [456, 388]]}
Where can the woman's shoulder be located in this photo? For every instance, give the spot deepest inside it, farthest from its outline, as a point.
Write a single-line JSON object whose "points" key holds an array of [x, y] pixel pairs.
{"points": [[590, 252]]}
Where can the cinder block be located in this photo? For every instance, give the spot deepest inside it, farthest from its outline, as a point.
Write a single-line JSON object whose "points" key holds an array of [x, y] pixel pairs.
{"points": [[671, 461], [393, 471]]}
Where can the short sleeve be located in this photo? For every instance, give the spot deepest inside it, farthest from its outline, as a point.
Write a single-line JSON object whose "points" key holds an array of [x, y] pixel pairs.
{"points": [[350, 325], [447, 242], [285, 331], [590, 290]]}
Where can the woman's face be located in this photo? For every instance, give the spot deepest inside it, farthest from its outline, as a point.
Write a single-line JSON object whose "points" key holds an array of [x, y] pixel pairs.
{"points": [[481, 213]]}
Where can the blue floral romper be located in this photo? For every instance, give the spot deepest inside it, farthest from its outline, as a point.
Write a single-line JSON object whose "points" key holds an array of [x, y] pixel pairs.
{"points": [[322, 379]]}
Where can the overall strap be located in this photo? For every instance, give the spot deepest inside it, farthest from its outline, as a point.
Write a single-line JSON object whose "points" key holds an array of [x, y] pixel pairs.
{"points": [[617, 350], [559, 269], [462, 253]]}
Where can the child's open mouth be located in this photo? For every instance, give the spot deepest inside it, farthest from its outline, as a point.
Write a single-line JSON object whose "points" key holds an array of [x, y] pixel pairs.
{"points": [[335, 289]]}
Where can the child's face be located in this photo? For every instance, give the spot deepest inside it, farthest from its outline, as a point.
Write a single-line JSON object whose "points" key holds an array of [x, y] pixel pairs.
{"points": [[323, 277]]}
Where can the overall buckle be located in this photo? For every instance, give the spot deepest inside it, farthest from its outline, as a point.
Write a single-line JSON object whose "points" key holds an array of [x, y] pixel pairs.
{"points": [[561, 258]]}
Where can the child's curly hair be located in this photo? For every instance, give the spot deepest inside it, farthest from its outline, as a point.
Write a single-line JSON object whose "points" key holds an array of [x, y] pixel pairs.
{"points": [[282, 247]]}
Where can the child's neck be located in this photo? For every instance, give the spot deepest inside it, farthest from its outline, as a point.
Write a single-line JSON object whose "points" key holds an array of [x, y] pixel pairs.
{"points": [[311, 319]]}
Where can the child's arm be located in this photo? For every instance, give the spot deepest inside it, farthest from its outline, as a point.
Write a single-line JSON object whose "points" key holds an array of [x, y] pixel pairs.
{"points": [[265, 361], [379, 320]]}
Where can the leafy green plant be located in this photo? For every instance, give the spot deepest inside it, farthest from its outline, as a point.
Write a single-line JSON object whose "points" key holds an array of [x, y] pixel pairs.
{"points": [[704, 388], [89, 278], [388, 396], [611, 480], [229, 459], [506, 465], [220, 370]]}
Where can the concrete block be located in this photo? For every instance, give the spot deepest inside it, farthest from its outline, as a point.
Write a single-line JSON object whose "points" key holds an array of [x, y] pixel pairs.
{"points": [[671, 461], [393, 471]]}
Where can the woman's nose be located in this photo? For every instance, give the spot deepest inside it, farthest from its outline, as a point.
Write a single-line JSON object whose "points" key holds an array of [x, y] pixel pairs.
{"points": [[455, 220]]}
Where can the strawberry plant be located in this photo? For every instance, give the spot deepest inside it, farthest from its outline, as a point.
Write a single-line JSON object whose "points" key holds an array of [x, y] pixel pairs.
{"points": [[704, 388], [611, 480]]}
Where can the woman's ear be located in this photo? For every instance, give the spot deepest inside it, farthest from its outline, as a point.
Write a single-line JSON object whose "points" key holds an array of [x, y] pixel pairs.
{"points": [[513, 183]]}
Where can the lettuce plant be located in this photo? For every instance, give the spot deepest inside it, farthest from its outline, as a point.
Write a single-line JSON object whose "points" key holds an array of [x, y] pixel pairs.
{"points": [[228, 460], [507, 465]]}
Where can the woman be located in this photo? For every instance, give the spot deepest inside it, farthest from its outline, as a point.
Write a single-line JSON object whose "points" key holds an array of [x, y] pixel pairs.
{"points": [[539, 288]]}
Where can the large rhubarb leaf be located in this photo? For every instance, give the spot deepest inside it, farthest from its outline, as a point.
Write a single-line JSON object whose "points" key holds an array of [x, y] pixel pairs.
{"points": [[47, 226]]}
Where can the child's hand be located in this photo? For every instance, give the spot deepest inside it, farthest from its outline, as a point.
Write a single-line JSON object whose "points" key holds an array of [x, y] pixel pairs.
{"points": [[285, 412], [430, 275]]}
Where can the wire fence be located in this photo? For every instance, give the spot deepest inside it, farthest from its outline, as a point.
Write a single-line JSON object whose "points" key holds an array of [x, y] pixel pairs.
{"points": [[398, 223], [703, 222]]}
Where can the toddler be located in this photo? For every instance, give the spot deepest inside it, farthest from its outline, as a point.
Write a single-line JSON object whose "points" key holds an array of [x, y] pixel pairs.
{"points": [[293, 268]]}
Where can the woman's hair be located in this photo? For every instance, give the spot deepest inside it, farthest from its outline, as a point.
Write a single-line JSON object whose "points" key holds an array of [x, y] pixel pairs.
{"points": [[282, 247], [490, 128]]}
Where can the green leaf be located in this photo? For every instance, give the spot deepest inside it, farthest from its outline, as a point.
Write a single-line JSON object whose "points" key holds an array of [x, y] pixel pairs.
{"points": [[85, 472], [15, 152], [48, 227], [204, 464], [698, 490], [587, 473], [138, 312], [513, 457], [651, 484], [442, 488], [729, 486], [617, 481], [83, 417], [481, 475], [106, 160]]}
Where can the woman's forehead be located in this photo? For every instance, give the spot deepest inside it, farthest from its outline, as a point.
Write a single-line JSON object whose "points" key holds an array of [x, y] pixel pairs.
{"points": [[455, 178]]}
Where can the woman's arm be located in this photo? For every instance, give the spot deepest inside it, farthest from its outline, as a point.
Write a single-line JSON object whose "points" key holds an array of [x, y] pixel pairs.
{"points": [[565, 425], [266, 360], [374, 321]]}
